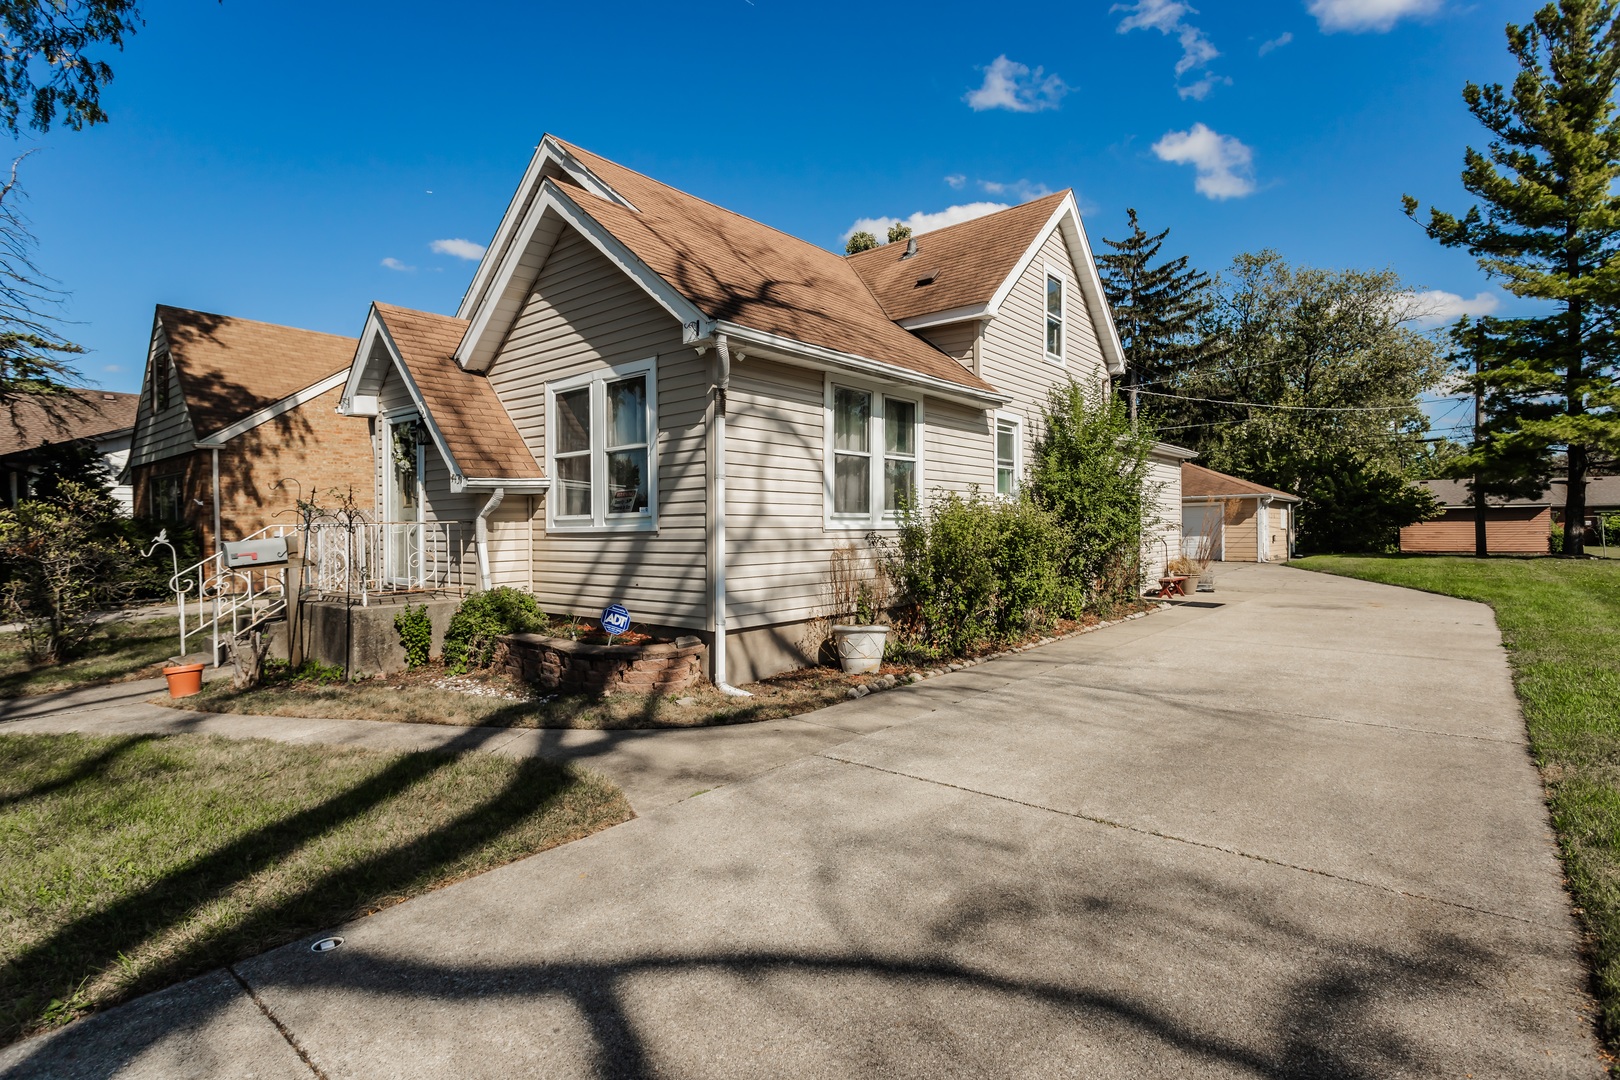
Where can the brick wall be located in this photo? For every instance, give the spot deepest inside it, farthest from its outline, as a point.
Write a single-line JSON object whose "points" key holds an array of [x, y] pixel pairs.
{"points": [[312, 447]]}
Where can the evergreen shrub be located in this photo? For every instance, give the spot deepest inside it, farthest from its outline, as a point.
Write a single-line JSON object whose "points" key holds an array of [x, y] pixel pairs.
{"points": [[483, 617]]}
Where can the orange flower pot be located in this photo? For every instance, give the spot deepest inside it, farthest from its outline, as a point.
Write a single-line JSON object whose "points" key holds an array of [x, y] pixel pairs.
{"points": [[184, 680]]}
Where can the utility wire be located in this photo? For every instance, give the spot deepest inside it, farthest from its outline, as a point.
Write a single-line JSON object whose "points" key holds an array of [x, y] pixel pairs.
{"points": [[1286, 408]]}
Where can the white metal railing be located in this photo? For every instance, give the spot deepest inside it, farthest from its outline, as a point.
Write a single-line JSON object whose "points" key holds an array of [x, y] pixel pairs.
{"points": [[363, 560], [349, 559]]}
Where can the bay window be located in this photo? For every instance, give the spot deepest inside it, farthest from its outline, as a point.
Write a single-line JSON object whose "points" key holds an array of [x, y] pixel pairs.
{"points": [[601, 447], [873, 464]]}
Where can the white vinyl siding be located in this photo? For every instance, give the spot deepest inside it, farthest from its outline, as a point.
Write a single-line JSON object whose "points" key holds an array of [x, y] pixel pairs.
{"points": [[1162, 539], [163, 433], [585, 316], [955, 340], [1012, 354]]}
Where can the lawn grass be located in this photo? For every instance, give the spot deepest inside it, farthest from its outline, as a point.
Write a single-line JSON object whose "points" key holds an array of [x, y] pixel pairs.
{"points": [[1560, 620], [116, 652], [130, 863], [413, 698]]}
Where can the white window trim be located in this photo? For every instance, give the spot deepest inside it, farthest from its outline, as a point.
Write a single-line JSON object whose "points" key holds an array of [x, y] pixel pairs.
{"points": [[1000, 417], [1050, 271], [877, 518], [600, 520]]}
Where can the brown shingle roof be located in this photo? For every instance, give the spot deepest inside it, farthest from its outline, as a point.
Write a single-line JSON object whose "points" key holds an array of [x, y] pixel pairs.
{"points": [[1199, 482], [968, 261], [31, 422], [1602, 493], [735, 269], [463, 405], [232, 367]]}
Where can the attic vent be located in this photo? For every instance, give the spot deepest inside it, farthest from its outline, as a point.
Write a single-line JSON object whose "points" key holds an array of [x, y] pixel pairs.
{"points": [[911, 247], [927, 279]]}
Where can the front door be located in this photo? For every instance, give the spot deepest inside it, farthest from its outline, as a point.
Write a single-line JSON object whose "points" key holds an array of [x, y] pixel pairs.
{"points": [[403, 512]]}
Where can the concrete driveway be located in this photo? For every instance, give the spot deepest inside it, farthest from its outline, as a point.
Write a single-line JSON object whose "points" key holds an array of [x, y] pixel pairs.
{"points": [[1291, 831]]}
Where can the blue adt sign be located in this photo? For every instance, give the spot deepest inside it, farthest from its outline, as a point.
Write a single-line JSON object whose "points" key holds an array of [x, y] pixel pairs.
{"points": [[615, 619]]}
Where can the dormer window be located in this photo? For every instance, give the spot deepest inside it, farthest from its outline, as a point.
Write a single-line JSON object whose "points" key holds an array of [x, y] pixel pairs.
{"points": [[1054, 318]]}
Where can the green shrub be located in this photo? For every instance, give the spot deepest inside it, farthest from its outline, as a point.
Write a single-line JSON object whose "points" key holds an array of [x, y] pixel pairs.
{"points": [[482, 618], [1555, 539], [415, 634], [310, 671], [971, 571], [1089, 470]]}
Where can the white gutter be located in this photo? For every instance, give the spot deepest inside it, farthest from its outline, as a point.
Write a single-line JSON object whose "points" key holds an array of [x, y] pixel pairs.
{"points": [[794, 351], [481, 535], [717, 517]]}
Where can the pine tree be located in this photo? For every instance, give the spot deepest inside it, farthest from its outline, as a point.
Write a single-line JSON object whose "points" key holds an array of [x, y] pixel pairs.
{"points": [[1551, 232], [1157, 306]]}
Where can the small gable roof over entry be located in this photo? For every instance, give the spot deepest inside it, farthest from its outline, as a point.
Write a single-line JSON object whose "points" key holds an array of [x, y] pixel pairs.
{"points": [[478, 433], [231, 368]]}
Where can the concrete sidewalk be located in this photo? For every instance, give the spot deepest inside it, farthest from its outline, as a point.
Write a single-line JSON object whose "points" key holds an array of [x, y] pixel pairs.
{"points": [[1295, 834]]}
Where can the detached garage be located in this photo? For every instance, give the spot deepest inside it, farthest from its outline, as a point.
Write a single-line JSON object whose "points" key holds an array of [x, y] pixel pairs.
{"points": [[1229, 519], [1512, 526]]}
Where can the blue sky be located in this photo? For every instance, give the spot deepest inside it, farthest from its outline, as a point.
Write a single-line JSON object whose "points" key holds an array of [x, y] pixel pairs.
{"points": [[265, 159]]}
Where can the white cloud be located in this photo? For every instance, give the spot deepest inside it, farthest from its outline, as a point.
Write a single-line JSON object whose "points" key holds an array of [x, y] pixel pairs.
{"points": [[1357, 16], [1022, 190], [1277, 42], [1013, 86], [922, 222], [394, 264], [956, 180], [1199, 90], [1168, 17], [461, 249], [1436, 307], [1225, 167]]}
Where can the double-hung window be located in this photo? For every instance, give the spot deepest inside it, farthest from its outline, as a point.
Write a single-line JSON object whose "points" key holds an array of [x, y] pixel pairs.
{"points": [[873, 465], [1009, 452], [167, 501], [1054, 317], [603, 450]]}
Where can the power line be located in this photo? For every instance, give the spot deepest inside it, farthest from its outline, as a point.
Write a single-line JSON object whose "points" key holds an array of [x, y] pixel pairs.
{"points": [[1286, 408]]}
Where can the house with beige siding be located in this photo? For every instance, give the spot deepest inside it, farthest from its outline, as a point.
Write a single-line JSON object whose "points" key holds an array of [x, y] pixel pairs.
{"points": [[647, 399]]}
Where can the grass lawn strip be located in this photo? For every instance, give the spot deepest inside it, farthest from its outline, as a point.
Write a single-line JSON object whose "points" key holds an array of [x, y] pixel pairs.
{"points": [[490, 700], [1560, 620], [128, 864], [117, 652]]}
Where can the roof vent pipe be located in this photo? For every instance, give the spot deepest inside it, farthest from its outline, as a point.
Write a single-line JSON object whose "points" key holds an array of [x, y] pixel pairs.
{"points": [[911, 247]]}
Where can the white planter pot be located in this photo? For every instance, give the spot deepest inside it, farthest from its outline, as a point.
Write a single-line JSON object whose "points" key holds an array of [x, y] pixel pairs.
{"points": [[860, 648]]}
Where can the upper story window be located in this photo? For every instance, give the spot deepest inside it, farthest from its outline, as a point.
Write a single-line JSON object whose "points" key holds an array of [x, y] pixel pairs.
{"points": [[603, 463], [873, 464], [160, 380], [1054, 317], [1009, 452]]}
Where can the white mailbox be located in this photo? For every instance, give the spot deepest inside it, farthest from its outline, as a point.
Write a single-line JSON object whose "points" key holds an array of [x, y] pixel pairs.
{"points": [[250, 553]]}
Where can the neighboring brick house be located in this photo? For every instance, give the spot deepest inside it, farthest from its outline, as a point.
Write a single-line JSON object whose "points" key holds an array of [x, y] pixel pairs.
{"points": [[97, 418], [238, 420]]}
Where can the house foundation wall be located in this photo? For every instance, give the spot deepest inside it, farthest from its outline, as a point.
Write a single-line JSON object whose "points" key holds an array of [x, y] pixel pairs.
{"points": [[362, 638]]}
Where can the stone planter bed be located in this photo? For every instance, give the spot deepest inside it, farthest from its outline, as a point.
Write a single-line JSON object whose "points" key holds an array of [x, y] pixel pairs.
{"points": [[574, 666]]}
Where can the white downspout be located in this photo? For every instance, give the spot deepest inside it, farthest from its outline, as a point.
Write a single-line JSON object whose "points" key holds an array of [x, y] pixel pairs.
{"points": [[717, 517], [219, 540], [481, 535]]}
